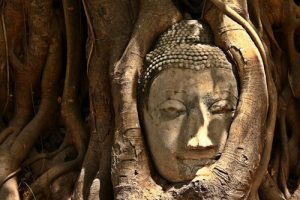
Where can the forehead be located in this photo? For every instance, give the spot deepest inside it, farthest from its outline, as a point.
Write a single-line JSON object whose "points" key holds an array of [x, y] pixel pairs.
{"points": [[185, 80], [186, 85]]}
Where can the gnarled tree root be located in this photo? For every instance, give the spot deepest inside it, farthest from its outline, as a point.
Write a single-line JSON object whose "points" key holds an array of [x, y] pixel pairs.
{"points": [[243, 134]]}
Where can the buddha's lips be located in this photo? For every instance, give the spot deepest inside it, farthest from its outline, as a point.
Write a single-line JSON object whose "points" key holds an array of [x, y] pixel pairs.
{"points": [[198, 162], [198, 154], [204, 155]]}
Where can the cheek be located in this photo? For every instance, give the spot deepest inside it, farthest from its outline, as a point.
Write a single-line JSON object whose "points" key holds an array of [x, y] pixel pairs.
{"points": [[170, 133], [218, 127], [163, 135]]}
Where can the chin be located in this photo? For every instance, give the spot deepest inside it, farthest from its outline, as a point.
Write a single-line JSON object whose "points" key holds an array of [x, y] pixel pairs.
{"points": [[180, 173], [183, 178], [189, 169], [180, 178], [183, 170]]}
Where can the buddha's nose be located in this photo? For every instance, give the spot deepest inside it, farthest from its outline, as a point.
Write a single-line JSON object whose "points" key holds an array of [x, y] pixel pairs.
{"points": [[199, 137], [200, 140]]}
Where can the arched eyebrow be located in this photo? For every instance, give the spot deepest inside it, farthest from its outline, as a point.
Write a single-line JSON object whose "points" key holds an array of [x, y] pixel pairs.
{"points": [[169, 94], [171, 99], [225, 91], [220, 95]]}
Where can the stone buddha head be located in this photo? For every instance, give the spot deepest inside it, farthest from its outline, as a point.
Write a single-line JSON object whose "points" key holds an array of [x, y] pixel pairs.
{"points": [[187, 96]]}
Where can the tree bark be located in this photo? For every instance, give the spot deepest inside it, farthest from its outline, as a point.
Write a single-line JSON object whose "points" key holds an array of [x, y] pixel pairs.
{"points": [[69, 125]]}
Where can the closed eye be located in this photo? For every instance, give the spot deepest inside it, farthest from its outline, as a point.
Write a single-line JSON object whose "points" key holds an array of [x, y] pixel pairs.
{"points": [[222, 107], [171, 109]]}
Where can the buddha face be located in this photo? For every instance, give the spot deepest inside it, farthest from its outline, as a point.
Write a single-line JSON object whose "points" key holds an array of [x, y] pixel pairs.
{"points": [[187, 117]]}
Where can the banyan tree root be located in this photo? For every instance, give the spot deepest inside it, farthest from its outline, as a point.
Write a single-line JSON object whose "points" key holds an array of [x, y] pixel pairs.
{"points": [[76, 130], [286, 65], [42, 62], [272, 93], [296, 195], [19, 141], [28, 73], [269, 189], [108, 37], [218, 181], [222, 181], [11, 34], [290, 23], [130, 170]]}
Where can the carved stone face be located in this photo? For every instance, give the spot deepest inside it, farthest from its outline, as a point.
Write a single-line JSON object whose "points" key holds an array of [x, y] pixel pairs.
{"points": [[187, 118]]}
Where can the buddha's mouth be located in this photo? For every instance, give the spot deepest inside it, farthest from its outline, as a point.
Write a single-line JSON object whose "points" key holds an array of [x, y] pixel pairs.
{"points": [[199, 154], [198, 157], [198, 162]]}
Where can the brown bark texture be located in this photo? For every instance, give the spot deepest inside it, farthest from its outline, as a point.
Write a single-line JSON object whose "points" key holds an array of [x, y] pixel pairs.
{"points": [[69, 125]]}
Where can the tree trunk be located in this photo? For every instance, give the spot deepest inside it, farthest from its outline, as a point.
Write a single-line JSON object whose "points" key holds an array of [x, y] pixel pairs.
{"points": [[69, 124]]}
